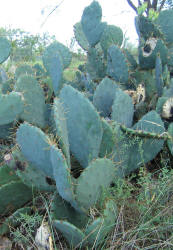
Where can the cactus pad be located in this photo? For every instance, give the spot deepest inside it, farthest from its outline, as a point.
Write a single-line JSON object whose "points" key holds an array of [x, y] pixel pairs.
{"points": [[104, 96], [83, 124], [117, 66], [35, 146], [34, 101], [5, 49], [103, 171], [73, 235], [123, 108], [11, 106], [13, 195], [91, 23]]}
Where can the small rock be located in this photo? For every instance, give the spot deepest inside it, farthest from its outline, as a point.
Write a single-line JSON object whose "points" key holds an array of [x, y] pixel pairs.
{"points": [[5, 243], [42, 237]]}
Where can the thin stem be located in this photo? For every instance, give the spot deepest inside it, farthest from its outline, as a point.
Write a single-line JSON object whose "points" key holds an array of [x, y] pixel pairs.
{"points": [[161, 5], [154, 4], [148, 6], [132, 6]]}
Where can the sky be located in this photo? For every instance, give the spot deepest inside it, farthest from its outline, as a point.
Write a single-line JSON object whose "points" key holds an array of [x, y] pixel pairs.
{"points": [[31, 16]]}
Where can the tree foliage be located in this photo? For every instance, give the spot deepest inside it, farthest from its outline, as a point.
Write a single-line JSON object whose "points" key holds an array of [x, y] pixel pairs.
{"points": [[156, 5], [26, 46]]}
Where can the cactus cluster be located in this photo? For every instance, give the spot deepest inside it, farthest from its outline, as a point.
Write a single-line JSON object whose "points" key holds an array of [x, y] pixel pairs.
{"points": [[76, 138]]}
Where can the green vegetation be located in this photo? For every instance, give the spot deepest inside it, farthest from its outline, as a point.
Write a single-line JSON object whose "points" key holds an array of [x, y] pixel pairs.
{"points": [[86, 139]]}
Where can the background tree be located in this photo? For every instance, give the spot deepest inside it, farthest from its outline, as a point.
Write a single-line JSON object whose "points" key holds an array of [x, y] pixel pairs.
{"points": [[156, 5], [26, 46]]}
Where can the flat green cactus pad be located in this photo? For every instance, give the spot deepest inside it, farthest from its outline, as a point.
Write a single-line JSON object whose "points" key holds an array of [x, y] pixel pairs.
{"points": [[103, 171], [165, 23], [117, 65], [91, 23], [158, 75], [73, 235], [100, 227], [170, 57], [131, 60], [13, 220], [104, 96], [24, 69], [80, 36], [123, 108], [13, 195], [141, 149], [64, 181], [108, 140], [121, 150], [83, 124], [111, 35], [54, 48], [6, 130], [62, 210], [35, 146], [170, 142], [11, 105], [34, 108], [30, 175], [5, 49], [61, 128], [54, 66], [7, 175], [95, 65], [159, 106]]}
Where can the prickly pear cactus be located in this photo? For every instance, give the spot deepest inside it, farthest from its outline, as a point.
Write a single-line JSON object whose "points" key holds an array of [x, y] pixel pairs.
{"points": [[76, 138], [35, 146], [11, 106], [83, 124], [5, 49], [92, 26]]}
